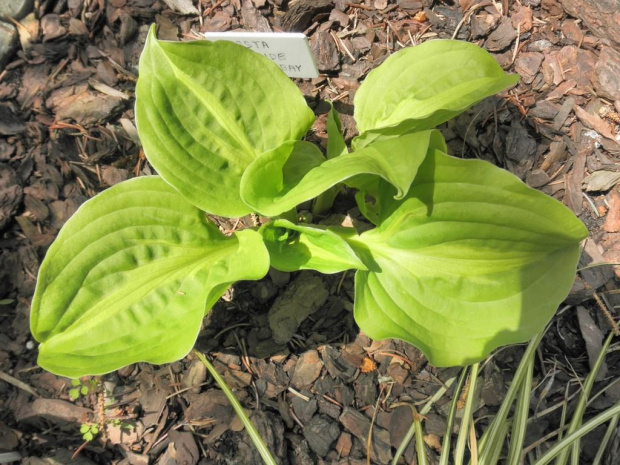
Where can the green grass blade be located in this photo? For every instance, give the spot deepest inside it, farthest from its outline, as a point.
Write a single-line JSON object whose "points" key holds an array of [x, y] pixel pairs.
{"points": [[420, 447], [438, 395], [249, 426], [564, 413], [405, 442], [445, 445], [581, 407], [412, 430], [579, 433], [610, 430], [467, 416], [519, 421], [494, 453], [493, 437]]}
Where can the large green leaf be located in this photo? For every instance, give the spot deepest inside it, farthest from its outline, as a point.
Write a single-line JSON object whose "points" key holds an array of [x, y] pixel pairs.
{"points": [[130, 277], [423, 86], [297, 171], [471, 260], [294, 247], [206, 110]]}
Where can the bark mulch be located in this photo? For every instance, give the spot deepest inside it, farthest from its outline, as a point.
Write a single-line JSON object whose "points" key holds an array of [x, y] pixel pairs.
{"points": [[315, 385]]}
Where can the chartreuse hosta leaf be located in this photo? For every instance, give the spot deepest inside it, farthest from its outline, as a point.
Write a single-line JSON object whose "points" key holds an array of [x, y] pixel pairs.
{"points": [[130, 277], [206, 110], [423, 86], [472, 259], [295, 247], [297, 171]]}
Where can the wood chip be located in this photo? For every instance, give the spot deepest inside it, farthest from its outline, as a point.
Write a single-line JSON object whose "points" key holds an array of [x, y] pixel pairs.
{"points": [[522, 19], [181, 448], [612, 221], [302, 298], [321, 433], [105, 89], [599, 275], [299, 16], [598, 16], [344, 444], [595, 122], [185, 7], [574, 197], [562, 89], [601, 181], [11, 193], [381, 4], [307, 369], [557, 153], [359, 426], [565, 110], [56, 411], [253, 19], [527, 65], [326, 51], [593, 337], [606, 77]]}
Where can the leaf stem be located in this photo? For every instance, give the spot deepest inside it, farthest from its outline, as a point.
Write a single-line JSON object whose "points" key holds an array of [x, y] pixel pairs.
{"points": [[290, 215], [324, 202]]}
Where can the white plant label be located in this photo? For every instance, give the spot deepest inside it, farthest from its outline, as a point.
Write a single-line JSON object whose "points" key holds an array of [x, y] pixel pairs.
{"points": [[289, 50]]}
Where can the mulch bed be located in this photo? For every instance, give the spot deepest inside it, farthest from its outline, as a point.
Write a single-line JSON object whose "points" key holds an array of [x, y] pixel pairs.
{"points": [[316, 390]]}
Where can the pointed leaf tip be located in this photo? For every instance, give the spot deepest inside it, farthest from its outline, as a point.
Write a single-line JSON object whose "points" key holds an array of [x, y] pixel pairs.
{"points": [[129, 279]]}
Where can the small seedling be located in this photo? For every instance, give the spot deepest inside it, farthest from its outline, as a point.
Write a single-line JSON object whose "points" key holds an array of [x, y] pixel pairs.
{"points": [[128, 427], [82, 388], [89, 431]]}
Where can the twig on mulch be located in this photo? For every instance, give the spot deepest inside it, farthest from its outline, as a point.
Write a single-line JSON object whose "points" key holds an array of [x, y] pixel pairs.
{"points": [[18, 384], [210, 10]]}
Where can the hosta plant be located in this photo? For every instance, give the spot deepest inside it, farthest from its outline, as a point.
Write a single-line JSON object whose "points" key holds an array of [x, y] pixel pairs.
{"points": [[463, 256]]}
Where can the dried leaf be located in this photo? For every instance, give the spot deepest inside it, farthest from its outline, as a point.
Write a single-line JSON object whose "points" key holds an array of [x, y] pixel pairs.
{"points": [[432, 440], [368, 365]]}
